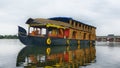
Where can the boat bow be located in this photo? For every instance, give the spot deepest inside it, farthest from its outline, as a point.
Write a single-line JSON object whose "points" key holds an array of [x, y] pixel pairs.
{"points": [[22, 34], [21, 31]]}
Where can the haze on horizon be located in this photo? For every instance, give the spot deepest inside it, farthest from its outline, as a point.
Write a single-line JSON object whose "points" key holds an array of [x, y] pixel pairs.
{"points": [[103, 14]]}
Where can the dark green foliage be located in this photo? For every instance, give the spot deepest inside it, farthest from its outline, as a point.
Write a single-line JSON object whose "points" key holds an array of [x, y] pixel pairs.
{"points": [[8, 37]]}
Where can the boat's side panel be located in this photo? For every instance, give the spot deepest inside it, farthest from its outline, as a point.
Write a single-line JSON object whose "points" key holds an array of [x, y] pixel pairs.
{"points": [[62, 41], [37, 41], [58, 42], [24, 40]]}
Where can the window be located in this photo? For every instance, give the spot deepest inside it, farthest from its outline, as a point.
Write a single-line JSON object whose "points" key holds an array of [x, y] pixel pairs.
{"points": [[43, 31], [66, 33], [34, 31], [74, 35], [84, 37], [52, 32], [60, 33]]}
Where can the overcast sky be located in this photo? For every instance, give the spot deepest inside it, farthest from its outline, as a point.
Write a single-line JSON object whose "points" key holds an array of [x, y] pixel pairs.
{"points": [[103, 14]]}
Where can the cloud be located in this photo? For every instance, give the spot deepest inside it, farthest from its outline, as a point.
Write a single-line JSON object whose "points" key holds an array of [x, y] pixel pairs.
{"points": [[104, 14]]}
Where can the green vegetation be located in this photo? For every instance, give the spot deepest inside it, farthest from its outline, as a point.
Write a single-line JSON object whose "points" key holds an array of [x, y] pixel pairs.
{"points": [[8, 37]]}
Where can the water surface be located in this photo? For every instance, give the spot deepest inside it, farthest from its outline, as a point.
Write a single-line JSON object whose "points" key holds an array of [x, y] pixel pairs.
{"points": [[108, 55], [9, 49]]}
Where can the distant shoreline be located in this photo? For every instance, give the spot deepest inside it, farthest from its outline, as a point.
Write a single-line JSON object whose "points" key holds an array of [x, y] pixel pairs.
{"points": [[8, 37]]}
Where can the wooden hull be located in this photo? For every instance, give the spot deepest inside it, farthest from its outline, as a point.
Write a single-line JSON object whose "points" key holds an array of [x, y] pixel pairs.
{"points": [[42, 41]]}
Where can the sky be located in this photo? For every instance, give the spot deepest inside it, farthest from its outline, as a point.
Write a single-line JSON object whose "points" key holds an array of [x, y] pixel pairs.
{"points": [[103, 14]]}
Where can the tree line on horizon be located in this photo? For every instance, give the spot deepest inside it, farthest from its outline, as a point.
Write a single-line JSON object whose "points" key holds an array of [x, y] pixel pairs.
{"points": [[8, 37]]}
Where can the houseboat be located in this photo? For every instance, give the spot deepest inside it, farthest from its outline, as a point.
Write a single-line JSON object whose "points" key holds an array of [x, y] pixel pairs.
{"points": [[57, 31], [71, 40]]}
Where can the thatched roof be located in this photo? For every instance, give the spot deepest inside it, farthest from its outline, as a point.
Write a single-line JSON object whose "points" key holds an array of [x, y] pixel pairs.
{"points": [[67, 19], [59, 21], [46, 21]]}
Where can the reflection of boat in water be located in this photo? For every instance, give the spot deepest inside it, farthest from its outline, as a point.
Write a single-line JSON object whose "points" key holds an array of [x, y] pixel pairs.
{"points": [[56, 31], [60, 55], [35, 51]]}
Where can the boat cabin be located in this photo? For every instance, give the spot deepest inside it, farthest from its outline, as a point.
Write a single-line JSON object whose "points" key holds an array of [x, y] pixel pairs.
{"points": [[61, 28]]}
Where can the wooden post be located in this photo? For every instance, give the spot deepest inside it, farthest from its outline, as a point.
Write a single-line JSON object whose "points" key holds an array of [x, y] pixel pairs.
{"points": [[70, 34], [78, 25], [74, 24], [28, 29], [70, 22], [82, 27]]}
